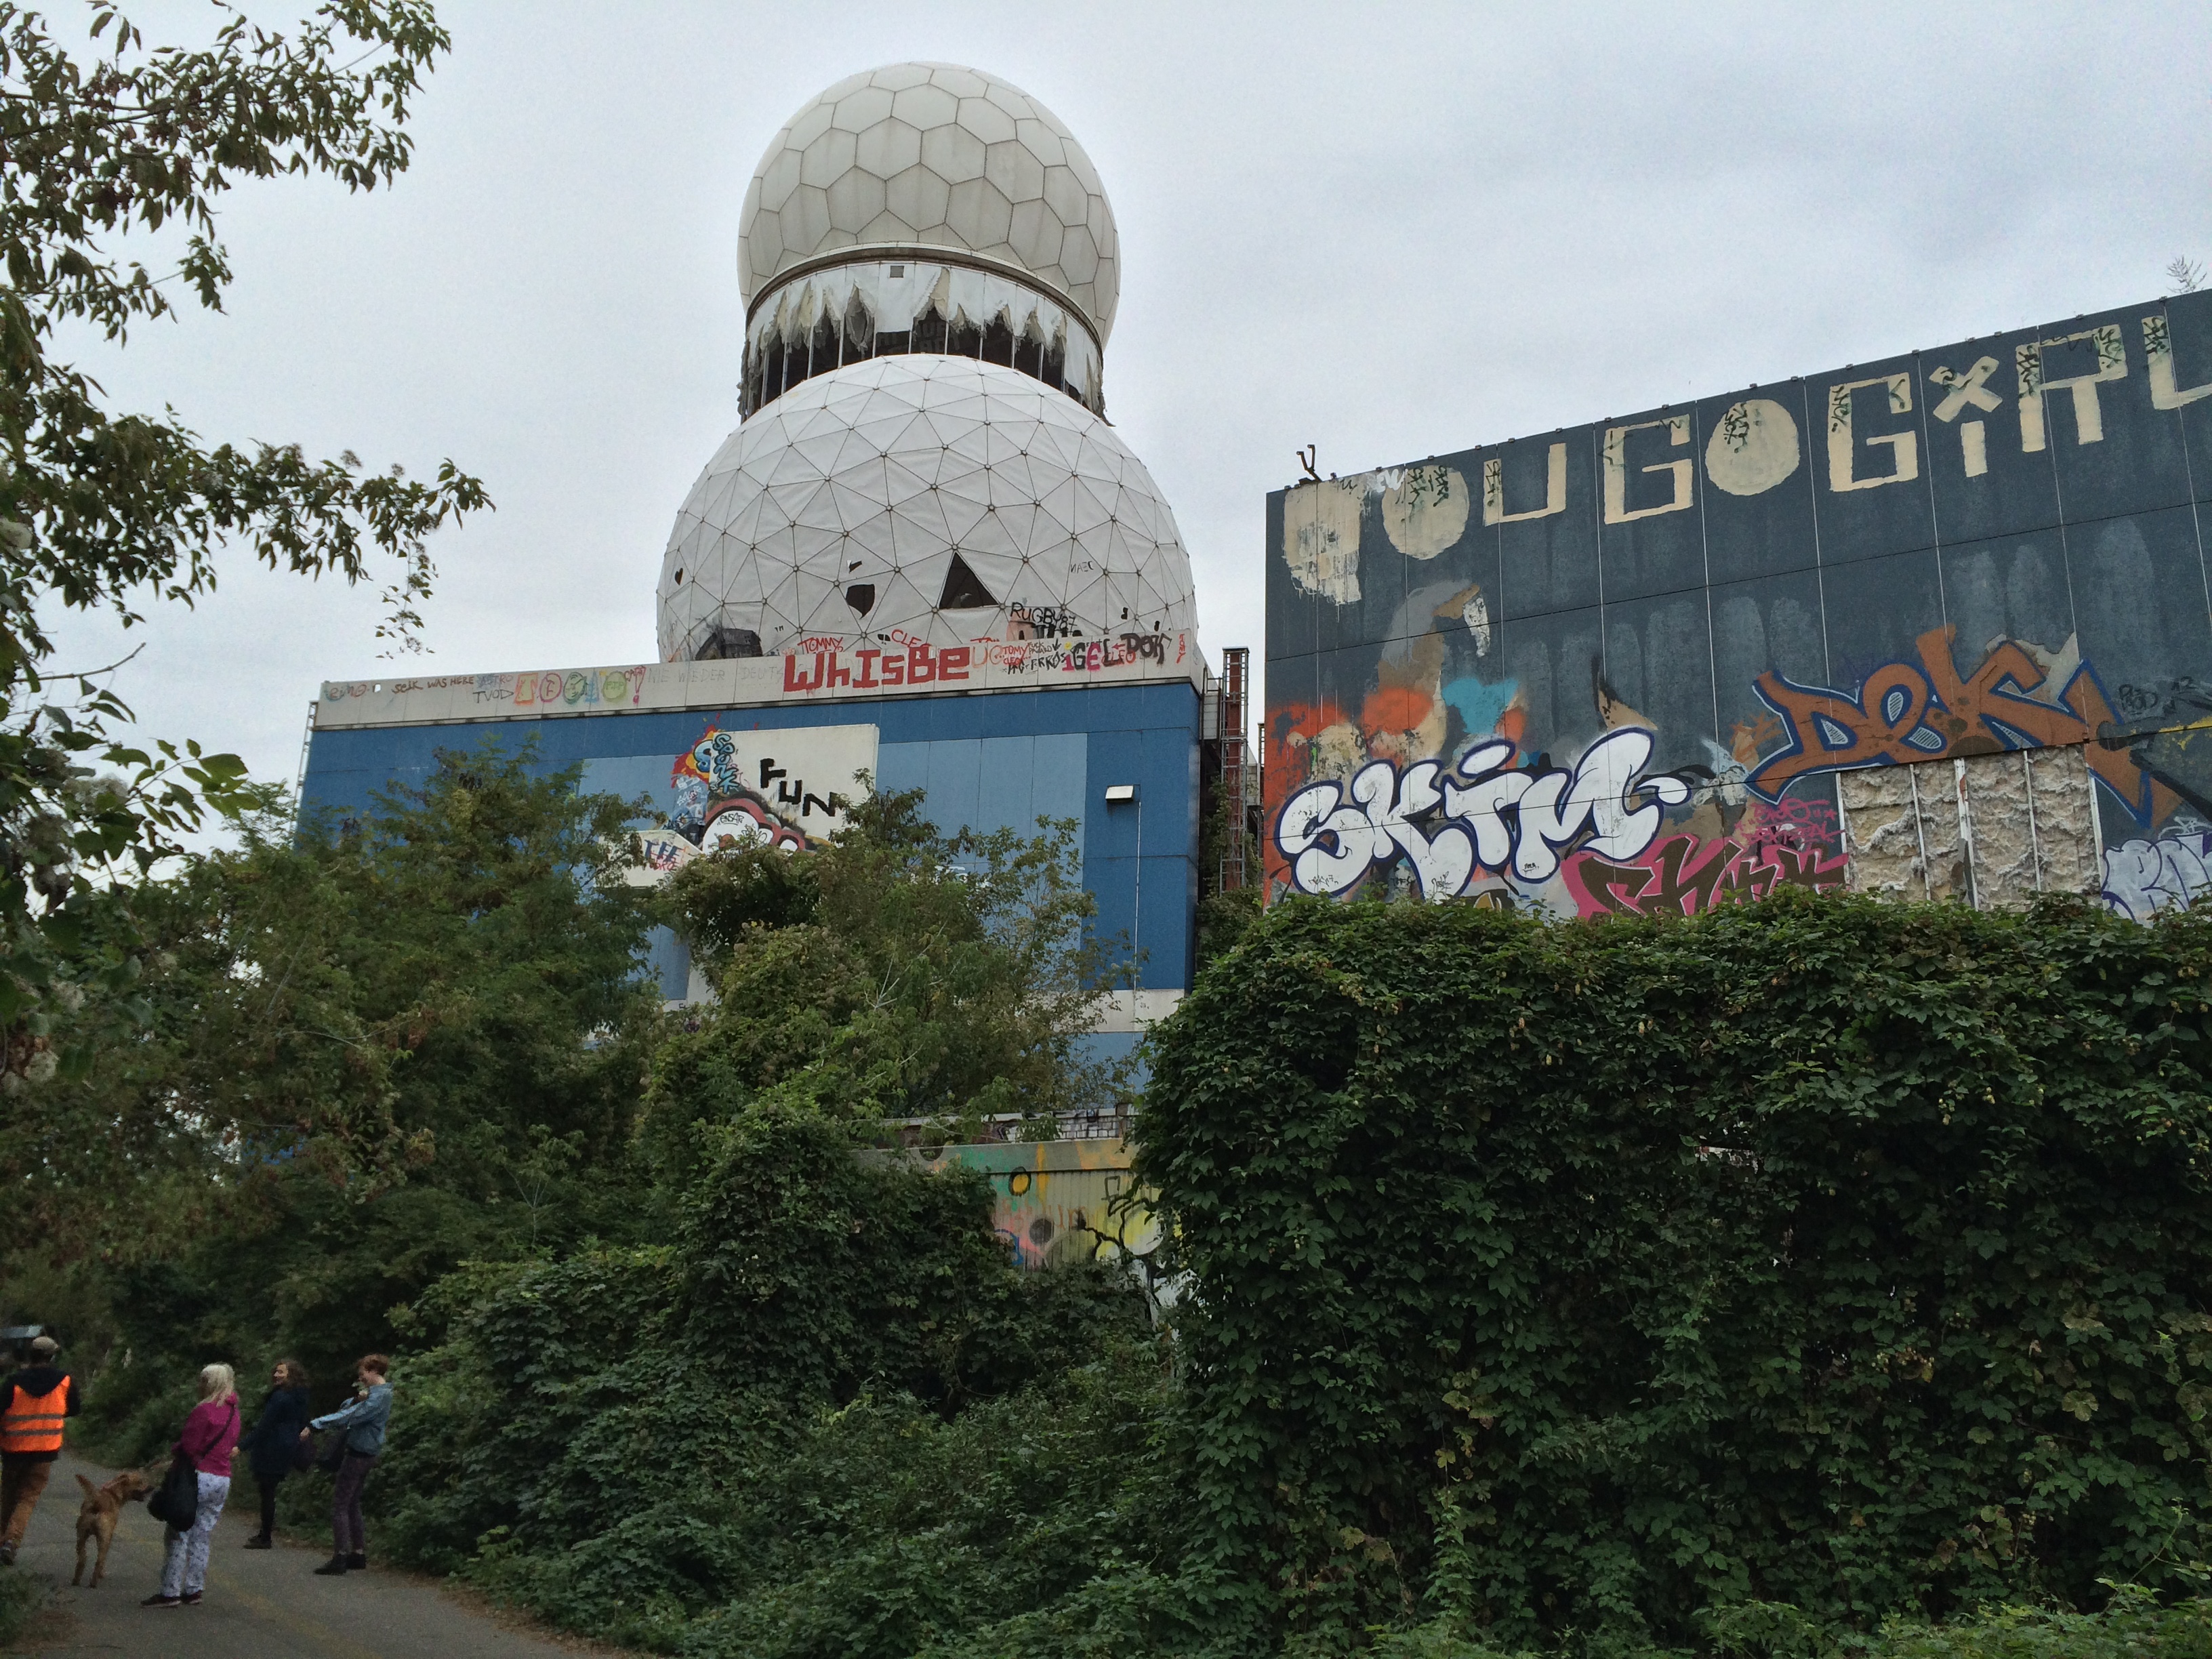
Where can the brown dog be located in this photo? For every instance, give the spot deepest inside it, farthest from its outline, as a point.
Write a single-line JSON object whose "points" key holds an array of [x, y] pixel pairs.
{"points": [[97, 1516]]}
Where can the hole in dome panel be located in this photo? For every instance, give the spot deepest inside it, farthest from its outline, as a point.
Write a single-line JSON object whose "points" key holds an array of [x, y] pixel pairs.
{"points": [[963, 589], [724, 643]]}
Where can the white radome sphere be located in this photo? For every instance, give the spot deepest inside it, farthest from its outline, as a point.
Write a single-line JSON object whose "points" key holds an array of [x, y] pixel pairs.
{"points": [[865, 482], [924, 155]]}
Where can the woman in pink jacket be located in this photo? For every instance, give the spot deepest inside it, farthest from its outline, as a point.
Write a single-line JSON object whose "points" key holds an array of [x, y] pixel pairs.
{"points": [[210, 1434]]}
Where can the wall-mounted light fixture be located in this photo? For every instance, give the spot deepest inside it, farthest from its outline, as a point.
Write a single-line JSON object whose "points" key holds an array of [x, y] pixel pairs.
{"points": [[1119, 794]]}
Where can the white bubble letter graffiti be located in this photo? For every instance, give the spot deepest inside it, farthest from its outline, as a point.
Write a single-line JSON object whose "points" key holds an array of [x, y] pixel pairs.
{"points": [[1607, 774], [1442, 865], [1329, 845], [1481, 806]]}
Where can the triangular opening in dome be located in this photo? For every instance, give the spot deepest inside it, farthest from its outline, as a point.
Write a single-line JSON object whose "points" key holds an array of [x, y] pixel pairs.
{"points": [[963, 589]]}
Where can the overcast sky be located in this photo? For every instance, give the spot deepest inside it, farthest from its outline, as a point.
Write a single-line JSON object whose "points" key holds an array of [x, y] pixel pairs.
{"points": [[1389, 232]]}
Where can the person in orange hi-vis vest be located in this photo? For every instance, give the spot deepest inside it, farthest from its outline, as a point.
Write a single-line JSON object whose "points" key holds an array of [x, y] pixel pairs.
{"points": [[32, 1403]]}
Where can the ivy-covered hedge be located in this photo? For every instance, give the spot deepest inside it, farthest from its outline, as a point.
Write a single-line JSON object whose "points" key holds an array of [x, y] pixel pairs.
{"points": [[1823, 1252]]}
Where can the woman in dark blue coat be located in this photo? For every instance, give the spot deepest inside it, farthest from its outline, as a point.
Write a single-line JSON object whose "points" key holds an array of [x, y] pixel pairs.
{"points": [[269, 1443]]}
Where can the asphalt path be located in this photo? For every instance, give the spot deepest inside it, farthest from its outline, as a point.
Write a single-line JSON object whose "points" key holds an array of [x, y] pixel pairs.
{"points": [[261, 1604]]}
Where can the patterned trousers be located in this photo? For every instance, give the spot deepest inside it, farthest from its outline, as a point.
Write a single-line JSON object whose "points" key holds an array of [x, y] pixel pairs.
{"points": [[184, 1562]]}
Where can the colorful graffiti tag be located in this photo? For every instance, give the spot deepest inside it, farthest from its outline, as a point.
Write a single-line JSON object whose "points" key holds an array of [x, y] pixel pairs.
{"points": [[1621, 838], [788, 790], [1682, 875], [1594, 830], [2142, 877], [732, 791], [1924, 710]]}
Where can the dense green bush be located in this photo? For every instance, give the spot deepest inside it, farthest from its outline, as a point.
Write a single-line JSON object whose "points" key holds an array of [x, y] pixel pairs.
{"points": [[812, 1424], [1556, 1280], [2133, 1625]]}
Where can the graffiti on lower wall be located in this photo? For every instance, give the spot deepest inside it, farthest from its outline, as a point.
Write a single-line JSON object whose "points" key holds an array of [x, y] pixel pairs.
{"points": [[2019, 697], [1595, 834], [1061, 1202], [1603, 832], [2142, 877]]}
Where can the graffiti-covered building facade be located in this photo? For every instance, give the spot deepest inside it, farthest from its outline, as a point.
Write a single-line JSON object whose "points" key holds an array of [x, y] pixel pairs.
{"points": [[1939, 626], [727, 757]]}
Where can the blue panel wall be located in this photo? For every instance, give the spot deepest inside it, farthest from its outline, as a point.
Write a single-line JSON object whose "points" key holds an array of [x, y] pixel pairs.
{"points": [[987, 763]]}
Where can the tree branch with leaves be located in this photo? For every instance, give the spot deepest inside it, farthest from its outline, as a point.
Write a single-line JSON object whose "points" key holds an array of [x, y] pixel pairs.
{"points": [[104, 509]]}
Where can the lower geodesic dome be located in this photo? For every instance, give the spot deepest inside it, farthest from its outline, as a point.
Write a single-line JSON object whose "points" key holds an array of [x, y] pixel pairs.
{"points": [[920, 498]]}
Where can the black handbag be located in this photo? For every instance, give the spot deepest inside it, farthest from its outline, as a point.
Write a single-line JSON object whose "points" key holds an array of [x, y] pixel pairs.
{"points": [[333, 1451], [176, 1501]]}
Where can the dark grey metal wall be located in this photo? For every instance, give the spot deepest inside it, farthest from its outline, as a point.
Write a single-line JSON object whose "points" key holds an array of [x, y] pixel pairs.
{"points": [[1997, 545]]}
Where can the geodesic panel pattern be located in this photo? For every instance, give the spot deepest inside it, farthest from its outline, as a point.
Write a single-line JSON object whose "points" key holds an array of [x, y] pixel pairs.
{"points": [[934, 156], [886, 498]]}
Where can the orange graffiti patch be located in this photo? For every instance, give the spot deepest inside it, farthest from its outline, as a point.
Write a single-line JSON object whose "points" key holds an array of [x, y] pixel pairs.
{"points": [[1395, 709], [1974, 715]]}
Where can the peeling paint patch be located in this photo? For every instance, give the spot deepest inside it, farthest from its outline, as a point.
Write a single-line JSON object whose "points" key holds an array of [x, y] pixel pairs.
{"points": [[1425, 508], [1321, 537], [1476, 615], [1988, 829]]}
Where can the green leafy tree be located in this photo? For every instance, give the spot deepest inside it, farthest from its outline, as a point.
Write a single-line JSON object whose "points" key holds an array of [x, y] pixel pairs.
{"points": [[375, 1050], [895, 974], [107, 509]]}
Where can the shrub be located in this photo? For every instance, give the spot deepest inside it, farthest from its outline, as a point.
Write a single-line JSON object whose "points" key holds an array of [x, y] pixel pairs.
{"points": [[1556, 1280]]}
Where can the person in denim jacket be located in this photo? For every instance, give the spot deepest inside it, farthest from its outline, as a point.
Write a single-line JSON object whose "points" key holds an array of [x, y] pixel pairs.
{"points": [[363, 1418]]}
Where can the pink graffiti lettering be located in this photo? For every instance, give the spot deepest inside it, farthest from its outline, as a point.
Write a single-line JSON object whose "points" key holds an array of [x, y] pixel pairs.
{"points": [[870, 668], [1683, 875]]}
